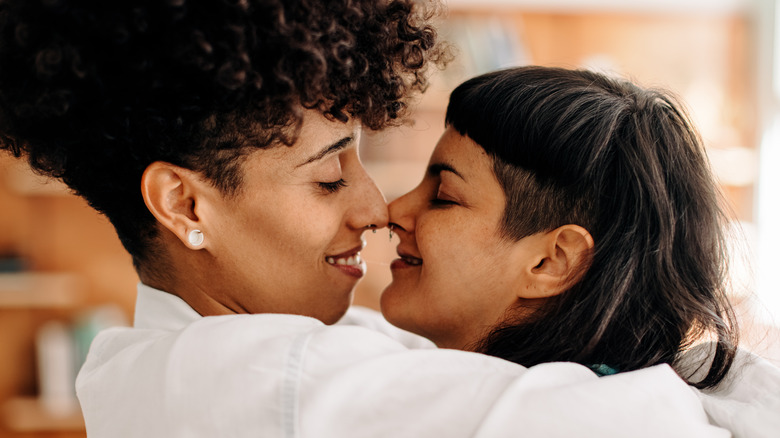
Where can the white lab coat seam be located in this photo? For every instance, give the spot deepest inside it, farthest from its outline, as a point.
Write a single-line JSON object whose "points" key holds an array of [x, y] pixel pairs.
{"points": [[291, 386]]}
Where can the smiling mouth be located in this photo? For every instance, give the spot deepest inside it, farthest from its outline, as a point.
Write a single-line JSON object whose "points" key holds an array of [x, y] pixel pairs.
{"points": [[349, 260]]}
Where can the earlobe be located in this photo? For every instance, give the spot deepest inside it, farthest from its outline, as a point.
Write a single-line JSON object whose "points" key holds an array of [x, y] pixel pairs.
{"points": [[561, 258], [171, 194]]}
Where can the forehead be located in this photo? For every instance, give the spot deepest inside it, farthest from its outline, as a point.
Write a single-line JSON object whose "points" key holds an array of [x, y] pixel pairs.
{"points": [[462, 153], [282, 164], [316, 132]]}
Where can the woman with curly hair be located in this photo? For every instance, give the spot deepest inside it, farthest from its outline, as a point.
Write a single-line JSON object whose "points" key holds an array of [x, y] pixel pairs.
{"points": [[220, 138]]}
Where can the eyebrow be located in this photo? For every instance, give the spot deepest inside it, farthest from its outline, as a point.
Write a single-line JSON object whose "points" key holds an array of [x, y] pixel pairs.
{"points": [[327, 150], [436, 169]]}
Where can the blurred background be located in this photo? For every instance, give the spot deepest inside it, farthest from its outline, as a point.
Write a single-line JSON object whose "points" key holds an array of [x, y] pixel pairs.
{"points": [[64, 275]]}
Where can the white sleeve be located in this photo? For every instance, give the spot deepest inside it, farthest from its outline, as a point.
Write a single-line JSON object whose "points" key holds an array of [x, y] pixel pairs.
{"points": [[565, 400], [747, 402], [391, 392]]}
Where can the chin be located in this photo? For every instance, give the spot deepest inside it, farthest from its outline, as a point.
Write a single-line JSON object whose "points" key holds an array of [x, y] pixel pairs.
{"points": [[392, 311], [330, 320]]}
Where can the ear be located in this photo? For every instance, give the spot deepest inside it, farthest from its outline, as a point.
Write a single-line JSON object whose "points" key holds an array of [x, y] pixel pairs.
{"points": [[560, 258], [171, 194]]}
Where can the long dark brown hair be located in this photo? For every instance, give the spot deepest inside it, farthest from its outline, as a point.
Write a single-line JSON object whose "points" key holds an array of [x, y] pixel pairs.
{"points": [[574, 146]]}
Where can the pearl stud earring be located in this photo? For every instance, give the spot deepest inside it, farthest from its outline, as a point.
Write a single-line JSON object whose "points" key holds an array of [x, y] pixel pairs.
{"points": [[195, 237]]}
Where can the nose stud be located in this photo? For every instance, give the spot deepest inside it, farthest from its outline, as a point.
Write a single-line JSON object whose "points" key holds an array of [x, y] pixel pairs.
{"points": [[390, 227], [372, 227]]}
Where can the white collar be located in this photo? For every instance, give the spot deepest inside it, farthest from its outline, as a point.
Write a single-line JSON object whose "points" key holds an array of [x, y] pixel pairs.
{"points": [[157, 309]]}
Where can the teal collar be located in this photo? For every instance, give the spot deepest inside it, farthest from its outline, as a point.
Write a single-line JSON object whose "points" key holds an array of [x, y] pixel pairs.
{"points": [[602, 369]]}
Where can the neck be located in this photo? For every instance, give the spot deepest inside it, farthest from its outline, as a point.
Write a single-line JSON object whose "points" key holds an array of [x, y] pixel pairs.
{"points": [[183, 272]]}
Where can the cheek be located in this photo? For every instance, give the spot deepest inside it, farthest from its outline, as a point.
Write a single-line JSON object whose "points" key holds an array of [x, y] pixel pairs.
{"points": [[448, 265], [452, 249], [463, 265], [287, 231], [302, 238]]}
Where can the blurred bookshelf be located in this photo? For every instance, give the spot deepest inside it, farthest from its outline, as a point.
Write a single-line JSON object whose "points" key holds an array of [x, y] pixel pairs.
{"points": [[30, 415], [25, 290], [62, 271]]}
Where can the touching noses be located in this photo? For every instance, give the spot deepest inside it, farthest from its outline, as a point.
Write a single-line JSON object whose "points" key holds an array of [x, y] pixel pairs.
{"points": [[370, 204], [402, 211]]}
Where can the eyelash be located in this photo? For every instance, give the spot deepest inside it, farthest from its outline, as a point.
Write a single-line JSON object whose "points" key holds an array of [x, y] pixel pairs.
{"points": [[333, 187], [436, 202]]}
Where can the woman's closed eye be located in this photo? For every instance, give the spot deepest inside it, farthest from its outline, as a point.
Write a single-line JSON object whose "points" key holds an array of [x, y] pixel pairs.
{"points": [[443, 200], [332, 187]]}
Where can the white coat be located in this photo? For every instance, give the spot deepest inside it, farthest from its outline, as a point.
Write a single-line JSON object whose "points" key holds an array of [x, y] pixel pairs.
{"points": [[177, 374]]}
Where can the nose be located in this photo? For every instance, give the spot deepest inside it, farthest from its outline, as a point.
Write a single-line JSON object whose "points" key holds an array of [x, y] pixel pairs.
{"points": [[402, 212], [370, 206]]}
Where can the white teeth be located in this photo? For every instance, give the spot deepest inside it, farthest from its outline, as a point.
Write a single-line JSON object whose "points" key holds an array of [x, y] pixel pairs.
{"points": [[353, 260], [412, 261]]}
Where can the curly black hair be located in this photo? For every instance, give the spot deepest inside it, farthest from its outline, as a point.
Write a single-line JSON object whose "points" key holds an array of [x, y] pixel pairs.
{"points": [[92, 91]]}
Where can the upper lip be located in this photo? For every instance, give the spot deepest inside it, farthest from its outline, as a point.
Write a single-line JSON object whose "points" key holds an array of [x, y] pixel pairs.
{"points": [[350, 252]]}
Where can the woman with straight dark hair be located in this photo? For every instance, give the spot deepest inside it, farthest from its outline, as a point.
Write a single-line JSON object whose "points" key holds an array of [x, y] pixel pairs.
{"points": [[566, 216]]}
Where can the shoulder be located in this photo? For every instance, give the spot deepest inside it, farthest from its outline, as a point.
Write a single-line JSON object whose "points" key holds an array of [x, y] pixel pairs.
{"points": [[244, 339], [747, 401], [252, 364], [566, 399]]}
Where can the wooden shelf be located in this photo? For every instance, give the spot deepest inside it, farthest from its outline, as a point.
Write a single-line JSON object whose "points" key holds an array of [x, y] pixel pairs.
{"points": [[29, 414], [40, 290]]}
